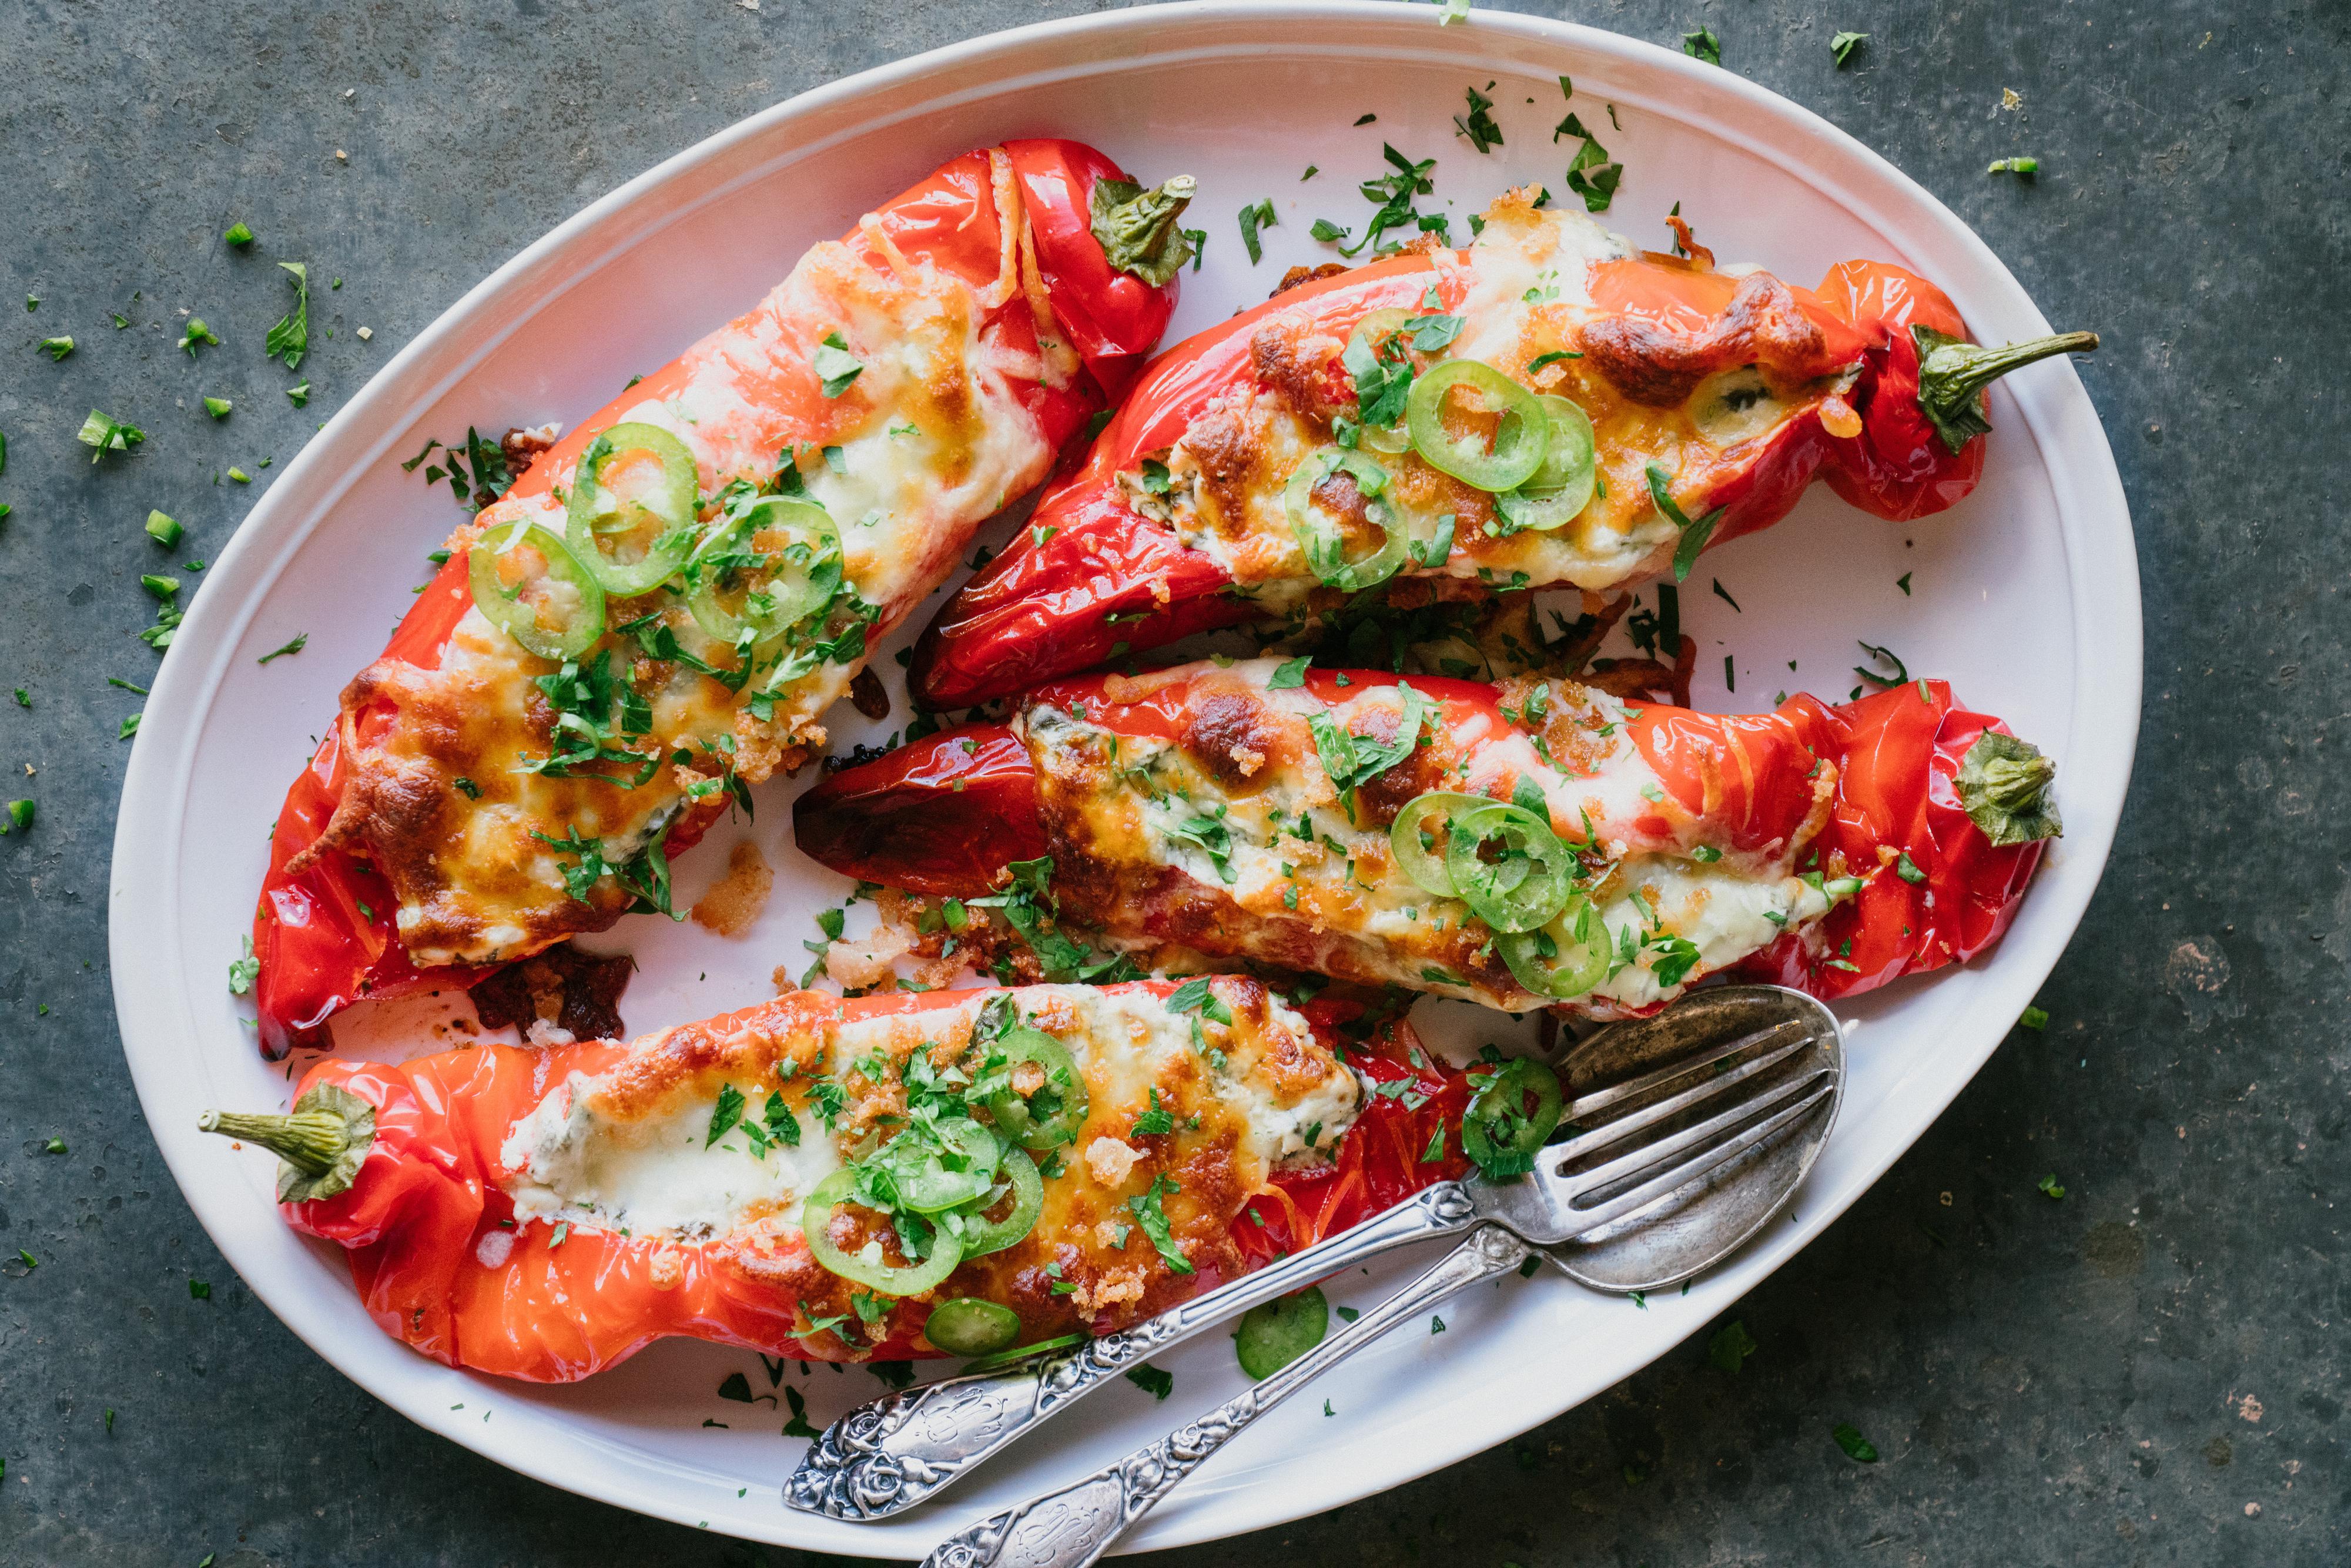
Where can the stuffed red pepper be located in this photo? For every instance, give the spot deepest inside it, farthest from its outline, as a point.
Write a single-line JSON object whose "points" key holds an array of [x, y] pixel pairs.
{"points": [[660, 611], [1547, 408], [953, 1172], [1539, 843]]}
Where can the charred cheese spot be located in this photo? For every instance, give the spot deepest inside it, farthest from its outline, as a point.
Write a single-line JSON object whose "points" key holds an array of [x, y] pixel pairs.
{"points": [[1235, 736], [632, 1148]]}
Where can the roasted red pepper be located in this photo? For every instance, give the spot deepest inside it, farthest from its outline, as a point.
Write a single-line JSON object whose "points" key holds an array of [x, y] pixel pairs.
{"points": [[409, 1167], [1250, 813], [1713, 402], [325, 930]]}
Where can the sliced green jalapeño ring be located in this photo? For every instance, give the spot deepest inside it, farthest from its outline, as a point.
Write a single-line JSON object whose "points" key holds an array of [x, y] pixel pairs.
{"points": [[550, 604], [764, 570], [1418, 857], [1017, 1184], [867, 1266], [651, 511], [1501, 1131], [1519, 439], [1529, 879], [969, 1326], [1559, 490], [1319, 534], [1563, 958], [1050, 1114]]}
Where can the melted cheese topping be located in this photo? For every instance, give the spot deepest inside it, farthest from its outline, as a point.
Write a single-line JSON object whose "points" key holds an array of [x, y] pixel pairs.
{"points": [[929, 441], [630, 1149], [1232, 839], [1523, 289]]}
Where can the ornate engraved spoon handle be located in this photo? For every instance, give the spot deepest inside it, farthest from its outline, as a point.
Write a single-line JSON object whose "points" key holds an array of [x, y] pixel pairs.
{"points": [[884, 1458], [1074, 1527]]}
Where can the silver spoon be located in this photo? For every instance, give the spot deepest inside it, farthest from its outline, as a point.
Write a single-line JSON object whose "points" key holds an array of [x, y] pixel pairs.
{"points": [[1694, 1128]]}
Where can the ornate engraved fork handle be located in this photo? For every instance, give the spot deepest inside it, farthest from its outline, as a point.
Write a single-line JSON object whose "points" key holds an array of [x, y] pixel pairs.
{"points": [[1074, 1527], [885, 1456]]}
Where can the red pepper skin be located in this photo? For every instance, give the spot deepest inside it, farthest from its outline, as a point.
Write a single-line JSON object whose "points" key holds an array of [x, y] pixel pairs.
{"points": [[1897, 468], [439, 1269], [944, 814], [1382, 1161], [1042, 608], [324, 935], [1896, 754]]}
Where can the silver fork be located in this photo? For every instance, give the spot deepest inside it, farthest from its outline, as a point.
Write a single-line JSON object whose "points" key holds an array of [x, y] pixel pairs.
{"points": [[1072, 1527], [1742, 1070]]}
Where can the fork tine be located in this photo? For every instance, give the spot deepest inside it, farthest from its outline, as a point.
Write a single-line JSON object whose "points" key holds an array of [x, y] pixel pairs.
{"points": [[1634, 1162], [1601, 1099], [1658, 1186], [1625, 1126]]}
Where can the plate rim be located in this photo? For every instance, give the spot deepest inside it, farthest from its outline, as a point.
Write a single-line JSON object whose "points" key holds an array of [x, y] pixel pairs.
{"points": [[2053, 411]]}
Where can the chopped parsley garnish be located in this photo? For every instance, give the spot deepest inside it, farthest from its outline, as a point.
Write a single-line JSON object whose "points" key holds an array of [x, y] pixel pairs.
{"points": [[1478, 125], [1703, 45], [1193, 995], [299, 396], [1289, 673], [1856, 1447], [1395, 194], [1731, 1345], [1156, 1121], [130, 727], [2031, 1018], [2051, 1186], [243, 972], [1152, 1381], [196, 335], [479, 475], [1901, 675], [1257, 214], [467, 787], [302, 639], [1694, 533], [1150, 1213], [1352, 760], [58, 348], [1590, 173], [1907, 869], [1843, 45], [724, 1114], [797, 1403], [835, 366], [107, 435], [290, 338]]}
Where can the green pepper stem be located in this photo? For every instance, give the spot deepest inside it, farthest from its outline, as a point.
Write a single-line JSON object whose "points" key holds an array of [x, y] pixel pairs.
{"points": [[2017, 785], [309, 1141], [1137, 229], [1953, 373]]}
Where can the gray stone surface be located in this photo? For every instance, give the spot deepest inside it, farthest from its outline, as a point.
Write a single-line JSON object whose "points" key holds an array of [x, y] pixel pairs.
{"points": [[2150, 1370]]}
